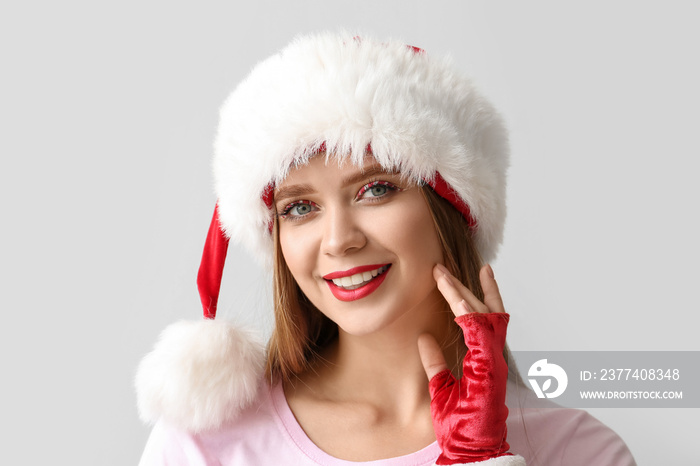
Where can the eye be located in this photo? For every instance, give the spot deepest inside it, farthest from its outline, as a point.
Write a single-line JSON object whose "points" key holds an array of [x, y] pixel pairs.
{"points": [[298, 209], [376, 189]]}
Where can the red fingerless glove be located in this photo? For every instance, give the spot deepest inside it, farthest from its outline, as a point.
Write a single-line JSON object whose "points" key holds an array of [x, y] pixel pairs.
{"points": [[469, 415]]}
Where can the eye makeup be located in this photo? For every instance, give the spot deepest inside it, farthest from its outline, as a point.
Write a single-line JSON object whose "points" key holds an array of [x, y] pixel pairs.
{"points": [[372, 191], [302, 207], [370, 187]]}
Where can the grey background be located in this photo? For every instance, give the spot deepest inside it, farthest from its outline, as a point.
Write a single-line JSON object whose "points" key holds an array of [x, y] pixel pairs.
{"points": [[108, 111]]}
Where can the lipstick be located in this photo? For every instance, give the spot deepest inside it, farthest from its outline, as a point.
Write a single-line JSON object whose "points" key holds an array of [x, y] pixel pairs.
{"points": [[358, 282]]}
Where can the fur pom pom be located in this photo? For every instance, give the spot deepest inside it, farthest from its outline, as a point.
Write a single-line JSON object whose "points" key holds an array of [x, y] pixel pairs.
{"points": [[200, 375]]}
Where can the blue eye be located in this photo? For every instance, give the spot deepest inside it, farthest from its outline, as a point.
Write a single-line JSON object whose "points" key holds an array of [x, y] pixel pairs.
{"points": [[376, 189], [298, 209]]}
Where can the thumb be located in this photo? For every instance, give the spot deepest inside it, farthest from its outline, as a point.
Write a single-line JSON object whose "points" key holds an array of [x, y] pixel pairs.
{"points": [[431, 355]]}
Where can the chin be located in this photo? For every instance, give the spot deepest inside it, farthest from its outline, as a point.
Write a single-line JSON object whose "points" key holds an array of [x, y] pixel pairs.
{"points": [[380, 311], [375, 319], [360, 330]]}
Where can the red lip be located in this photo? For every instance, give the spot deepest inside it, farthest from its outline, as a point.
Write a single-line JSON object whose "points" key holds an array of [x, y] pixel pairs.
{"points": [[358, 293], [353, 271]]}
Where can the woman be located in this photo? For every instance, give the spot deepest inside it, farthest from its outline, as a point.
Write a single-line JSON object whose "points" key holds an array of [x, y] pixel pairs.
{"points": [[372, 177]]}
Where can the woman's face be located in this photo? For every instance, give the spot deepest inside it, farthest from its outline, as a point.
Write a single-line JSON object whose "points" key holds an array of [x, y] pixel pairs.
{"points": [[360, 243]]}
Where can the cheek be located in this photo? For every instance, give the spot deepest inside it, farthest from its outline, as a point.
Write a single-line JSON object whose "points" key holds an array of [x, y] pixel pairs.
{"points": [[411, 232], [298, 253]]}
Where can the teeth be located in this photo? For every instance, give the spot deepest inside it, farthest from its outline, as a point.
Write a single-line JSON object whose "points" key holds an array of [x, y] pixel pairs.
{"points": [[355, 281]]}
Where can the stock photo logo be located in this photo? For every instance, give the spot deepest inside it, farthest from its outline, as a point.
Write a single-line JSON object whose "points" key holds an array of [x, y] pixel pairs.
{"points": [[542, 370]]}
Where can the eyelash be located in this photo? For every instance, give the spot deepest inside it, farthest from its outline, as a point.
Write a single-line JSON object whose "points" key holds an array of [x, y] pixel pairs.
{"points": [[390, 187], [285, 214]]}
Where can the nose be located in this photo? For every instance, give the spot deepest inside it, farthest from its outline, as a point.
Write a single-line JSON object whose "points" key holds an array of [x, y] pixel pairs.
{"points": [[342, 232]]}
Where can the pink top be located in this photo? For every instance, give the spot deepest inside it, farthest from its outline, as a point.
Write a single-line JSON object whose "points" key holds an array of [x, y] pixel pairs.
{"points": [[267, 434]]}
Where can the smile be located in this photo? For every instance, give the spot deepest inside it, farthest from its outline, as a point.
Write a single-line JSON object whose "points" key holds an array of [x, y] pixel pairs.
{"points": [[357, 282], [359, 279]]}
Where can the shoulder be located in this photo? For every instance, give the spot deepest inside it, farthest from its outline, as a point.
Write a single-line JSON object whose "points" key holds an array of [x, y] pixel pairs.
{"points": [[243, 440], [563, 436]]}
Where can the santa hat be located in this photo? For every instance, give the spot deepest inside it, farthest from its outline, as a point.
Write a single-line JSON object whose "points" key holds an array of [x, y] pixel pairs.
{"points": [[416, 114]]}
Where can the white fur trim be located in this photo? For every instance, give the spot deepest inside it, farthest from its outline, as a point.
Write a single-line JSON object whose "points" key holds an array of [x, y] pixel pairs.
{"points": [[419, 113], [514, 460], [200, 375]]}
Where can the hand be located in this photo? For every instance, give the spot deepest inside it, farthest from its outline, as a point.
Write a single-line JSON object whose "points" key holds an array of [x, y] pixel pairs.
{"points": [[469, 415]]}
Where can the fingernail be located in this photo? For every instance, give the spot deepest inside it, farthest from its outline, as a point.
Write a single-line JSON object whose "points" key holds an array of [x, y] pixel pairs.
{"points": [[447, 278], [490, 271], [444, 272], [442, 268]]}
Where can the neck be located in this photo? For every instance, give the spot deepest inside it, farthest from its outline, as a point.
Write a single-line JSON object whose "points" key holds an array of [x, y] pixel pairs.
{"points": [[371, 389], [383, 368]]}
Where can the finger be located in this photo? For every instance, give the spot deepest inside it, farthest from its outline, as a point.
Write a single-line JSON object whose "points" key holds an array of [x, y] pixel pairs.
{"points": [[492, 296], [431, 355], [459, 297], [451, 294]]}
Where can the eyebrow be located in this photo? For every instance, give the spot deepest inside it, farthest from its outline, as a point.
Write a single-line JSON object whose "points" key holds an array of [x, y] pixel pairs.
{"points": [[364, 174], [300, 190], [291, 192]]}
